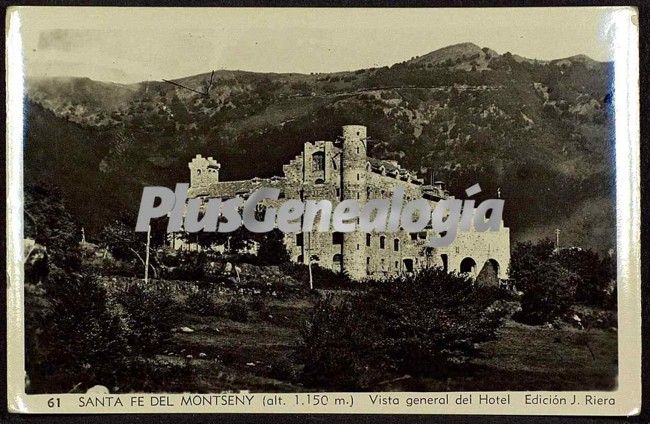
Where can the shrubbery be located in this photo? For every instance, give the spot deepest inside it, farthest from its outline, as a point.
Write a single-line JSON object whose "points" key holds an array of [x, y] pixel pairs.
{"points": [[188, 266], [71, 328], [237, 309], [418, 324], [272, 250], [151, 374], [323, 278], [596, 276], [77, 335], [150, 316], [552, 281], [549, 292], [201, 302]]}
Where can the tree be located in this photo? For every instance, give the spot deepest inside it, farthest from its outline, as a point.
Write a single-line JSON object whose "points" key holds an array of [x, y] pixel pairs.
{"points": [[595, 274], [548, 287], [124, 243], [84, 338], [272, 250], [49, 224], [70, 327], [526, 257], [548, 292]]}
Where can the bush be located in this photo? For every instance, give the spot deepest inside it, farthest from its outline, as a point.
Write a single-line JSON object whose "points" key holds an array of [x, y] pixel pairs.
{"points": [[73, 335], [237, 309], [201, 302], [154, 375], [151, 315], [272, 250], [596, 275], [323, 278], [284, 368], [419, 323], [259, 305], [552, 281], [82, 336], [191, 267], [548, 293]]}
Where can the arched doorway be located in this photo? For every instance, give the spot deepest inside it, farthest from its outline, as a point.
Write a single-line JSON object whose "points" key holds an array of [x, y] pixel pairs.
{"points": [[468, 265], [489, 273], [408, 265]]}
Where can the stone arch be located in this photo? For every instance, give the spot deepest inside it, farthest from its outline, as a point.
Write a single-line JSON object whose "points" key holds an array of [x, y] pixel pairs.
{"points": [[495, 265], [489, 273], [468, 265]]}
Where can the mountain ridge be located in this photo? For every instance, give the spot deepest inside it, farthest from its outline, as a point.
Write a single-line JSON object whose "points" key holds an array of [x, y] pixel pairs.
{"points": [[457, 47], [493, 119]]}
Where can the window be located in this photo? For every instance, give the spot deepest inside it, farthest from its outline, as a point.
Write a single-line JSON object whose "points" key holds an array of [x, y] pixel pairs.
{"points": [[299, 239], [337, 238], [396, 264], [414, 236], [396, 245], [337, 258], [358, 177], [319, 181], [368, 260], [318, 161], [367, 239], [382, 242]]}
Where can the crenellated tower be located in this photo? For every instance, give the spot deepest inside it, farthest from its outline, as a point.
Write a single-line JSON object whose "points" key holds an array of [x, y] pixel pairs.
{"points": [[203, 171]]}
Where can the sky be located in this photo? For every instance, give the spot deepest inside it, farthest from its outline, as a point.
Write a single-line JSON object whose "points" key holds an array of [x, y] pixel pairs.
{"points": [[127, 45]]}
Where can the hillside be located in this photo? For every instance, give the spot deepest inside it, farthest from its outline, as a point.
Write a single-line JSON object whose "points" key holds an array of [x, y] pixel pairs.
{"points": [[538, 130]]}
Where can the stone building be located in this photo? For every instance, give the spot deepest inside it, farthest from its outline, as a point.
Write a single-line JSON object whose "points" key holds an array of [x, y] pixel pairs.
{"points": [[340, 169]]}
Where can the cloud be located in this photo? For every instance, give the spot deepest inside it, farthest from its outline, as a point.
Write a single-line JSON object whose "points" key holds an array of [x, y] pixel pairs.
{"points": [[66, 40]]}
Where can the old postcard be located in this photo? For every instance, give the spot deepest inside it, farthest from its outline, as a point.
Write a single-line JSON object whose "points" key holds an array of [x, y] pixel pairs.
{"points": [[323, 210]]}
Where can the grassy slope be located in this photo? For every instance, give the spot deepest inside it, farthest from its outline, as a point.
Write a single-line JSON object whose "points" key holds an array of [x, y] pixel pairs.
{"points": [[523, 358]]}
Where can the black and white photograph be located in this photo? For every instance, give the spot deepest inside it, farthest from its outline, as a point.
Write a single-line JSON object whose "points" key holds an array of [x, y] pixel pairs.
{"points": [[417, 208]]}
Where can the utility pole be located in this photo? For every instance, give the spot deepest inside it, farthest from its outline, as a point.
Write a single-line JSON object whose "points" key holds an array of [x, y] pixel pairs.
{"points": [[312, 259], [146, 261], [83, 235], [557, 238]]}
